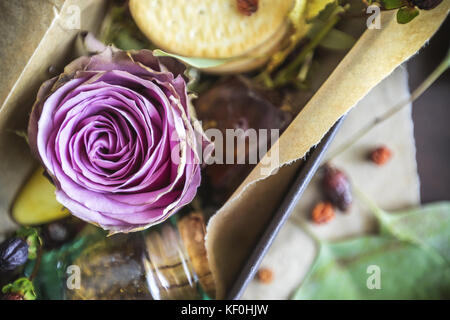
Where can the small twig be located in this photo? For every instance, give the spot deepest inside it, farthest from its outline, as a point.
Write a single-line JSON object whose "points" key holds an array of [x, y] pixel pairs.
{"points": [[285, 75], [440, 69], [36, 264]]}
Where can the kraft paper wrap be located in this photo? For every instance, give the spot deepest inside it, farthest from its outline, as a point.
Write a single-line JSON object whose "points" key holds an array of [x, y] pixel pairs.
{"points": [[42, 41], [231, 233], [34, 35]]}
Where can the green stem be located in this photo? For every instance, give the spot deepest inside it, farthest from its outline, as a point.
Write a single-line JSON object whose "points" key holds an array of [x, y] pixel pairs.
{"points": [[36, 264], [386, 225], [381, 216], [285, 75], [440, 69]]}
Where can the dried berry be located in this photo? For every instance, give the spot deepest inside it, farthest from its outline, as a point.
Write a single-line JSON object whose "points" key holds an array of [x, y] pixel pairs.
{"points": [[13, 253], [337, 188], [323, 212], [426, 4], [265, 275], [380, 155], [247, 7], [12, 296]]}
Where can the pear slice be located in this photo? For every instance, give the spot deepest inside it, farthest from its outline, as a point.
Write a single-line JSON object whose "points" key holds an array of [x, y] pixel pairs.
{"points": [[36, 202]]}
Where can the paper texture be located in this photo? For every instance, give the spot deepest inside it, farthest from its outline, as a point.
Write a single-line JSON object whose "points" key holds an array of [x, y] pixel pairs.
{"points": [[41, 36], [393, 186], [376, 54]]}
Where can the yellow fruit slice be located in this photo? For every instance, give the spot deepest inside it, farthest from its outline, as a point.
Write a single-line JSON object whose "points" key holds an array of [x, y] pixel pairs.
{"points": [[36, 202]]}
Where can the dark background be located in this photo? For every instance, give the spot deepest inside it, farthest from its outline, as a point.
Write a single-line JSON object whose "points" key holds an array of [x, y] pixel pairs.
{"points": [[431, 113]]}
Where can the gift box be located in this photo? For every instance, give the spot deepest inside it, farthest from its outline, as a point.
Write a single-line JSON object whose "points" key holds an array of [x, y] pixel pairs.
{"points": [[40, 37]]}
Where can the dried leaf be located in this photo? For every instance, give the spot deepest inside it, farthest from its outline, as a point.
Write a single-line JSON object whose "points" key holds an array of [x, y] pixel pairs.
{"points": [[200, 63], [406, 14]]}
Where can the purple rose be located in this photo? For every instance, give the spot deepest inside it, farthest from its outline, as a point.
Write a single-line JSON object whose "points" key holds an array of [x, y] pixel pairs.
{"points": [[106, 130]]}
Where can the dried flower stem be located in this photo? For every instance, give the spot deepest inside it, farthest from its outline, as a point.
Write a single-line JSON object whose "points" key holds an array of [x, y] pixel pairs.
{"points": [[285, 75], [440, 69], [36, 264]]}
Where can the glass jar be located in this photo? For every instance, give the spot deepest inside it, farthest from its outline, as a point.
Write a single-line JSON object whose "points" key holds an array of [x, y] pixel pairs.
{"points": [[164, 262]]}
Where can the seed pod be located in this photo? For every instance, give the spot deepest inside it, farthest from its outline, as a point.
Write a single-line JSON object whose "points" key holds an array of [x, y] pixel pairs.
{"points": [[426, 4], [13, 253], [336, 187]]}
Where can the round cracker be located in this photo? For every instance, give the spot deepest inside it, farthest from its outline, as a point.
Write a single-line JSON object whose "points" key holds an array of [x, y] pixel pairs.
{"points": [[208, 28], [254, 59]]}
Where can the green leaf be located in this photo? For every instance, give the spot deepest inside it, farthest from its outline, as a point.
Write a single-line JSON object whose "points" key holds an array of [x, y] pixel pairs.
{"points": [[22, 286], [334, 40], [342, 271], [199, 63], [393, 4], [50, 280], [412, 252], [427, 226], [119, 28], [406, 14], [34, 241]]}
